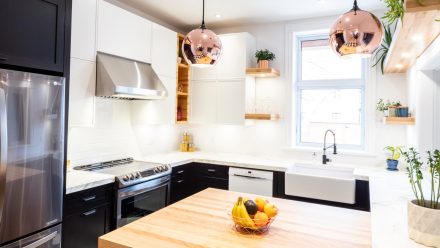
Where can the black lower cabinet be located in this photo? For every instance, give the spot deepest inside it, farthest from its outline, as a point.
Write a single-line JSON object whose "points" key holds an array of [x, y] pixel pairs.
{"points": [[88, 216], [191, 178]]}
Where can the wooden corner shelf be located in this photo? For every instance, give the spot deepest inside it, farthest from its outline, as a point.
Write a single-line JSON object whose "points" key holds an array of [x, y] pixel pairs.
{"points": [[413, 35], [182, 87], [267, 117], [399, 120], [263, 73]]}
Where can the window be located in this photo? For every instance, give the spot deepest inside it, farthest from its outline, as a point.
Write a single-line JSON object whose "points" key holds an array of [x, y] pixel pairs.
{"points": [[330, 95]]}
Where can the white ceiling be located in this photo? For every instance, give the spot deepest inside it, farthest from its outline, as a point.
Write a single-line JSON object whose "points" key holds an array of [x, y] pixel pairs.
{"points": [[186, 14]]}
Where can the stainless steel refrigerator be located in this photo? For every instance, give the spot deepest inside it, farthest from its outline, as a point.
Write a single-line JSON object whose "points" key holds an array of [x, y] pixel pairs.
{"points": [[31, 159]]}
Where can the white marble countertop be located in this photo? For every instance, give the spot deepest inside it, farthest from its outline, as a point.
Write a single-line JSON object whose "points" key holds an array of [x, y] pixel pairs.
{"points": [[389, 191], [82, 180]]}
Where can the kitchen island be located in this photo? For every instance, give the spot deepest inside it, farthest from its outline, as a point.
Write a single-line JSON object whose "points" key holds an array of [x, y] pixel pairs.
{"points": [[203, 220]]}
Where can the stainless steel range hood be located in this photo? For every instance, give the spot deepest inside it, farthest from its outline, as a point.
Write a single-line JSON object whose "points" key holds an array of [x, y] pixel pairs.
{"points": [[122, 78]]}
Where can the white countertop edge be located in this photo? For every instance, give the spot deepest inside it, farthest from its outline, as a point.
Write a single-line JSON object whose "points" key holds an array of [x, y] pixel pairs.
{"points": [[77, 188]]}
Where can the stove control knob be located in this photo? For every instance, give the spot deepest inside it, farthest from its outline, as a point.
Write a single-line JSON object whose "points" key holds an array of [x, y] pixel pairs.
{"points": [[131, 176], [137, 175], [156, 169], [125, 178]]}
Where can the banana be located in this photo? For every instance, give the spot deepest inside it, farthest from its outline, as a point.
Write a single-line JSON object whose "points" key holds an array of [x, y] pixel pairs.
{"points": [[246, 220]]}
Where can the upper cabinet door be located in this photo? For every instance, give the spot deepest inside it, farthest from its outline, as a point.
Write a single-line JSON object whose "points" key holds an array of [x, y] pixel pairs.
{"points": [[231, 102], [83, 44], [32, 34], [209, 73], [203, 102], [164, 51], [232, 64], [123, 33]]}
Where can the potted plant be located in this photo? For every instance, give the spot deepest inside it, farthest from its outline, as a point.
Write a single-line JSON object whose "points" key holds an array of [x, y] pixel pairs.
{"points": [[424, 214], [392, 108], [263, 57], [381, 106], [381, 53], [393, 159]]}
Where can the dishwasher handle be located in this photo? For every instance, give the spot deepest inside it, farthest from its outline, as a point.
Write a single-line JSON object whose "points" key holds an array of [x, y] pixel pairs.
{"points": [[250, 177]]}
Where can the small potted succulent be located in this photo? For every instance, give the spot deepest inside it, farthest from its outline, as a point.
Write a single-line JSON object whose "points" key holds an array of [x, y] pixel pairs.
{"points": [[393, 159], [263, 58], [424, 213]]}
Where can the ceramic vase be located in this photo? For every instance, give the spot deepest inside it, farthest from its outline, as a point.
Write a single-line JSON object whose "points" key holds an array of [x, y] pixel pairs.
{"points": [[424, 224]]}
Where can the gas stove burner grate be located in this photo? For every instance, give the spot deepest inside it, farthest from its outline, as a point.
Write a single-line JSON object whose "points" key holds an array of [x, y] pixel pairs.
{"points": [[104, 165]]}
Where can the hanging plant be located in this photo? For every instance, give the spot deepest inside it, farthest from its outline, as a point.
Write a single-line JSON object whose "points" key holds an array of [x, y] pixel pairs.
{"points": [[396, 10], [381, 53]]}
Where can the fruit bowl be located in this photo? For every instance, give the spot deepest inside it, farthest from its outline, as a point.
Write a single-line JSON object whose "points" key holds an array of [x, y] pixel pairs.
{"points": [[241, 226], [253, 217]]}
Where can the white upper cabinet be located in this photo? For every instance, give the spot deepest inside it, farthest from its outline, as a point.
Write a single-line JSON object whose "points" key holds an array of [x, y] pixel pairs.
{"points": [[82, 93], [164, 51], [84, 29], [203, 102], [156, 111], [231, 97], [237, 55], [123, 33]]}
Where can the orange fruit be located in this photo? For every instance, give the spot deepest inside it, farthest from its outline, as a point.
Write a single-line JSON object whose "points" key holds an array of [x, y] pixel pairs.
{"points": [[260, 204], [271, 210], [260, 219]]}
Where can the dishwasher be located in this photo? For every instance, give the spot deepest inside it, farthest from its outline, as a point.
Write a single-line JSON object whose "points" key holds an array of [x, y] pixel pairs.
{"points": [[251, 181]]}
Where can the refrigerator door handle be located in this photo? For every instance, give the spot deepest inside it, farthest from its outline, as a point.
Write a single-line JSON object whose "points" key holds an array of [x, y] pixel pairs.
{"points": [[42, 241], [3, 149]]}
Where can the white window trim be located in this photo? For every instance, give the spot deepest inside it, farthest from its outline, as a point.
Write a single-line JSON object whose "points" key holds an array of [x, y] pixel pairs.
{"points": [[312, 26]]}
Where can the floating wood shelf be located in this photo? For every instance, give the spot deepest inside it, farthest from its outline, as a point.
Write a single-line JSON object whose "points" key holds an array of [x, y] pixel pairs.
{"points": [[259, 72], [399, 120], [267, 117], [182, 94], [181, 122], [413, 35]]}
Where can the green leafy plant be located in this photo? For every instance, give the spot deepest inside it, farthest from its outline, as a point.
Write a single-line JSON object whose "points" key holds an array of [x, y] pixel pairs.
{"points": [[264, 55], [382, 106], [415, 176], [395, 152], [381, 53], [396, 10], [434, 170]]}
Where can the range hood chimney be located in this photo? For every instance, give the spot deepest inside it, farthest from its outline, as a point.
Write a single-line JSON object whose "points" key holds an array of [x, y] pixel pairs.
{"points": [[127, 79]]}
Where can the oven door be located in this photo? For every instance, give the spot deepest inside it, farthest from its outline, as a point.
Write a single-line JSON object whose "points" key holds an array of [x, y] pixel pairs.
{"points": [[142, 199]]}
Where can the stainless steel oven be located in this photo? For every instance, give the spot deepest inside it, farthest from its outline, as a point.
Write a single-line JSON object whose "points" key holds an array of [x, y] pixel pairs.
{"points": [[141, 199]]}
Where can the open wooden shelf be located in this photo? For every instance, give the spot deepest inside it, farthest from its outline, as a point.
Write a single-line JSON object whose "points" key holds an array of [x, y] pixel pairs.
{"points": [[413, 35], [180, 65], [399, 120], [267, 117], [265, 73], [182, 86]]}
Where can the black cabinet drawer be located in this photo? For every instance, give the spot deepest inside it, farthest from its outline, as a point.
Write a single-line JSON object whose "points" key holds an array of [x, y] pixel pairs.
{"points": [[182, 170], [212, 170], [89, 198], [211, 182], [82, 229], [33, 34]]}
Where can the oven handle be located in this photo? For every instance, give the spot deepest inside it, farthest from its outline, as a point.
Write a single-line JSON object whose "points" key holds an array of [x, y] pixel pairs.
{"points": [[126, 193]]}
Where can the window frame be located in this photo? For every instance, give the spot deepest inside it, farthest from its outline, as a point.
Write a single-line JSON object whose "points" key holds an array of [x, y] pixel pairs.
{"points": [[326, 84]]}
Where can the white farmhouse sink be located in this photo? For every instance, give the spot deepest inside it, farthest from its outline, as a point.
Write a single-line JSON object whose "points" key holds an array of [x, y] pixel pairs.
{"points": [[323, 182]]}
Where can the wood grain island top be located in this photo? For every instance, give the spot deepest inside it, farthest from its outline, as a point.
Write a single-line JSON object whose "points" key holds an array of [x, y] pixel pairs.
{"points": [[202, 220]]}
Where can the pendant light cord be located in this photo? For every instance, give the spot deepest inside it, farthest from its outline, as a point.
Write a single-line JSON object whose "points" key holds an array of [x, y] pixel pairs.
{"points": [[355, 6], [203, 16]]}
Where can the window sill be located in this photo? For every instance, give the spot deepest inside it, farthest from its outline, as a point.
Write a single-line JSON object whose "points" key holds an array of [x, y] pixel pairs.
{"points": [[359, 153]]}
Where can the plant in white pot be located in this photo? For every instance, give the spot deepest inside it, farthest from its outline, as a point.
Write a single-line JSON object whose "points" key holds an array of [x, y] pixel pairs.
{"points": [[424, 214]]}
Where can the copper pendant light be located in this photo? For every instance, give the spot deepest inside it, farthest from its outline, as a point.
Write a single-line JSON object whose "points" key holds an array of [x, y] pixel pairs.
{"points": [[202, 47], [357, 33]]}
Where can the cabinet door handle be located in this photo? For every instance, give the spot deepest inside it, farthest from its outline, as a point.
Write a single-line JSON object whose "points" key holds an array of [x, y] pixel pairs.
{"points": [[212, 170], [180, 172], [88, 213], [89, 198], [180, 181]]}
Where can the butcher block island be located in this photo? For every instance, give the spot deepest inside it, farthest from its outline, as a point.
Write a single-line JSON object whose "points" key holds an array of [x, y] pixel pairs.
{"points": [[203, 220]]}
